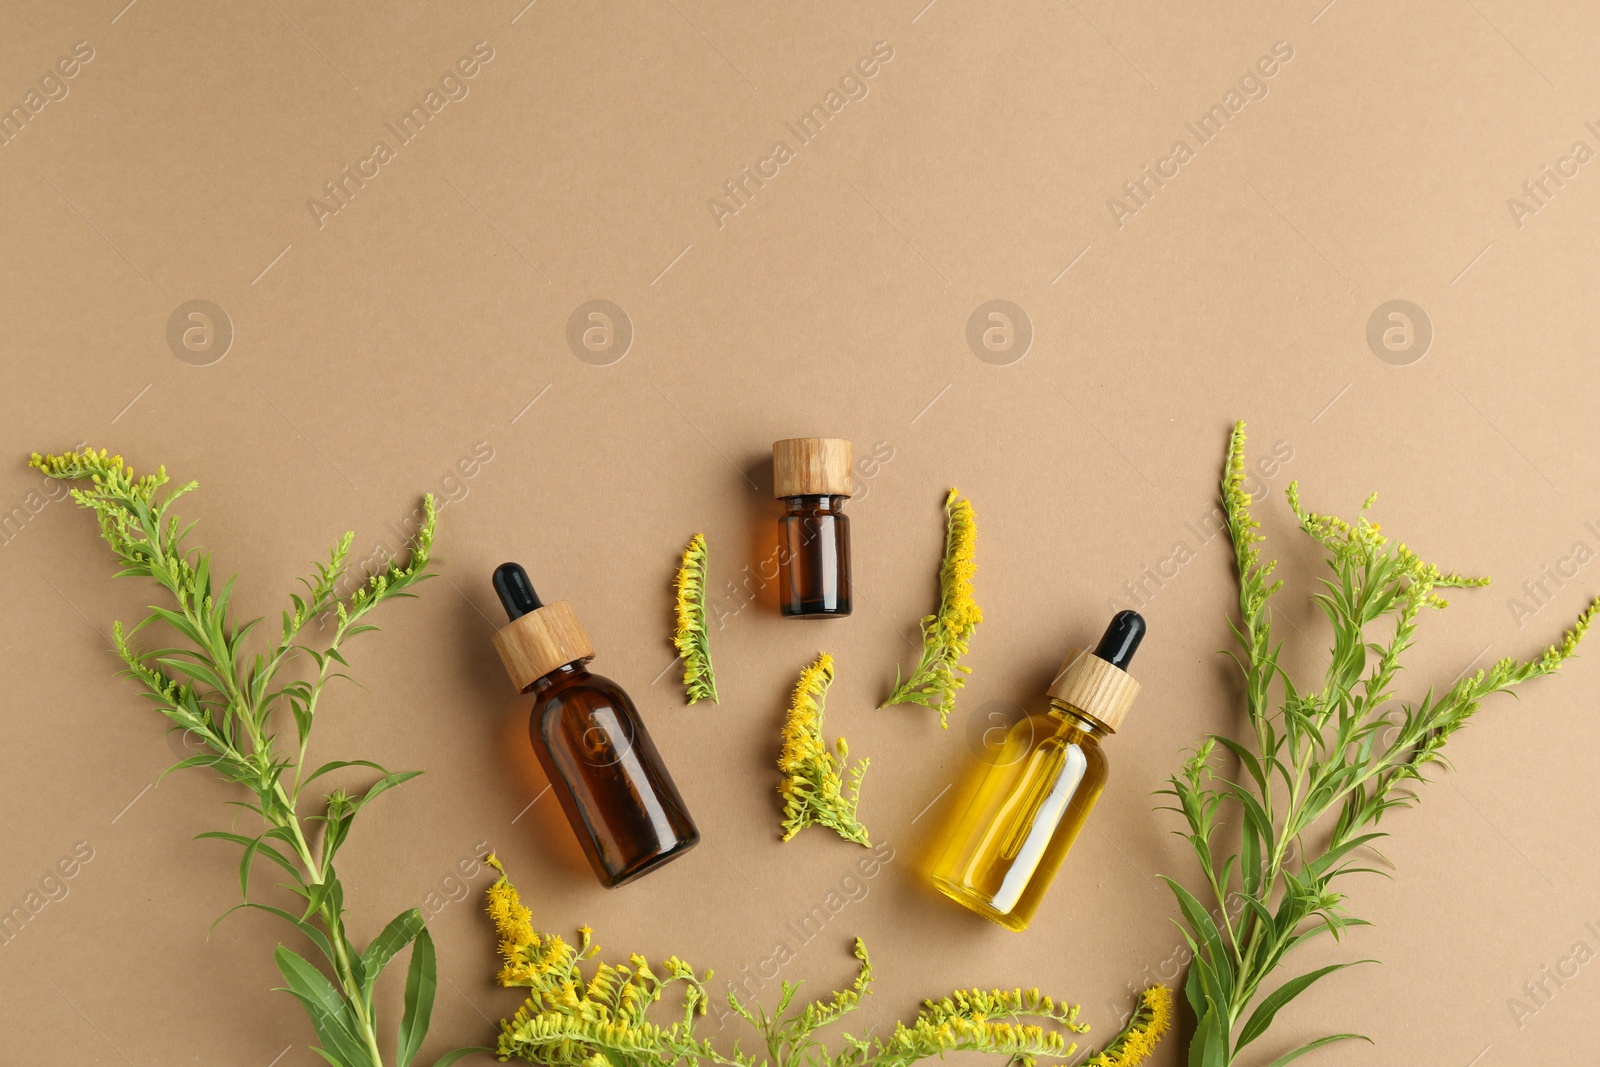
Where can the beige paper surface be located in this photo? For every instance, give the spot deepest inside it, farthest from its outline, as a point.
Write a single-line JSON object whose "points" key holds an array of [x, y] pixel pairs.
{"points": [[580, 288]]}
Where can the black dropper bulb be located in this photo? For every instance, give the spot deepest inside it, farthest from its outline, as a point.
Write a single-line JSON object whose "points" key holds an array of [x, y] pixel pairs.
{"points": [[1121, 639], [515, 590]]}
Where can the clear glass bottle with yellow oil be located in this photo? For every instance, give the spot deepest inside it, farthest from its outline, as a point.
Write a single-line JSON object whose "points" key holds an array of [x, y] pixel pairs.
{"points": [[1029, 801]]}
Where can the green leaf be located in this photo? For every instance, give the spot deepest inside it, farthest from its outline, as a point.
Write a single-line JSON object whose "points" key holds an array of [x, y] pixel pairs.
{"points": [[1248, 759], [1194, 992], [400, 932], [1262, 1017], [205, 759], [316, 896], [194, 667], [1209, 1047], [341, 763], [329, 1012], [1310, 1046], [452, 1056], [302, 718], [421, 982], [1328, 859], [178, 622], [1250, 873], [252, 845], [1206, 933], [382, 785], [315, 936]]}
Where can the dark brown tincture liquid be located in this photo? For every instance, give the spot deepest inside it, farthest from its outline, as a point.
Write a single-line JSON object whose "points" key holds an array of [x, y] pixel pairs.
{"points": [[607, 774], [814, 557], [603, 768]]}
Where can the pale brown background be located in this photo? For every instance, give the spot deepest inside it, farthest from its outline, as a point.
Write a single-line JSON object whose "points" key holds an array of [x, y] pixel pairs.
{"points": [[373, 353]]}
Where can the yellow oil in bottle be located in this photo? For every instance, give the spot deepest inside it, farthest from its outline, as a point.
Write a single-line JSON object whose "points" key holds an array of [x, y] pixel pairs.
{"points": [[1025, 806], [1023, 816]]}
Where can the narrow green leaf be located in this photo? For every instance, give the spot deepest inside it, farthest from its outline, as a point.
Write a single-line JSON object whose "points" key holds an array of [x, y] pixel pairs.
{"points": [[1194, 991], [253, 845], [1328, 859], [330, 1014], [205, 759], [1206, 932], [452, 1056], [1246, 758], [1250, 873], [1310, 1046], [421, 982], [1262, 1017], [400, 932], [316, 896], [1208, 1048], [315, 936], [244, 867], [338, 764], [383, 785]]}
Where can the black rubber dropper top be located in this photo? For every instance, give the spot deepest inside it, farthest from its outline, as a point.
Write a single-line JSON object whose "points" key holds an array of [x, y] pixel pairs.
{"points": [[515, 590], [1121, 639]]}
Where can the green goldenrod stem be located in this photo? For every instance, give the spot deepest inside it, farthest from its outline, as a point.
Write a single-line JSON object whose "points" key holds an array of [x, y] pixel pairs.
{"points": [[1320, 755], [210, 689]]}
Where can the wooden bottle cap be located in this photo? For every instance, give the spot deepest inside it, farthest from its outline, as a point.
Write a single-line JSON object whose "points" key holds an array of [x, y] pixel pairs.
{"points": [[1094, 687], [535, 644], [812, 466]]}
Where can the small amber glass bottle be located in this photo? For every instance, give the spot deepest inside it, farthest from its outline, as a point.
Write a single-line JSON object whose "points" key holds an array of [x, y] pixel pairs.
{"points": [[1032, 797], [602, 765], [811, 475]]}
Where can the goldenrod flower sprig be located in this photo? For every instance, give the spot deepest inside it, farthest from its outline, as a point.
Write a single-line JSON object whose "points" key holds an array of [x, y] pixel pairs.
{"points": [[690, 635], [1152, 1017], [946, 634], [236, 706], [1319, 767], [814, 787], [576, 1015]]}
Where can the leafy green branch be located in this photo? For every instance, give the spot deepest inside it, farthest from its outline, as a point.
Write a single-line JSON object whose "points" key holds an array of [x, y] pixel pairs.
{"points": [[1319, 768], [227, 701]]}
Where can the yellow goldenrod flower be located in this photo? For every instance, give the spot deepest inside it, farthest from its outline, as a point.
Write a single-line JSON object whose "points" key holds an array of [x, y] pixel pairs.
{"points": [[1151, 1019], [813, 787], [946, 634], [690, 636], [602, 1021]]}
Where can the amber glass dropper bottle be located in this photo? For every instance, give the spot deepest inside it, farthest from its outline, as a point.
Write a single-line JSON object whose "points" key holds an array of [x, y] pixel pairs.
{"points": [[1033, 796], [589, 738]]}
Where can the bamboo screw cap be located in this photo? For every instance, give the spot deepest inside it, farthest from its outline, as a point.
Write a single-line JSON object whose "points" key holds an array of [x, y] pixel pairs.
{"points": [[812, 466], [540, 637], [1094, 682]]}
